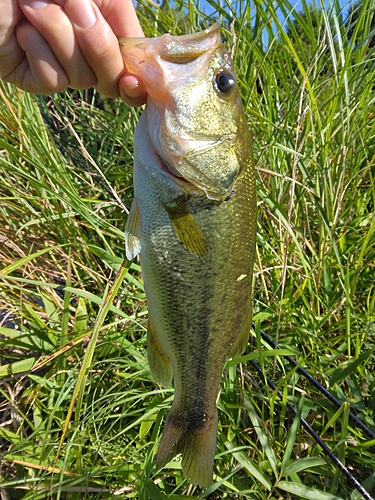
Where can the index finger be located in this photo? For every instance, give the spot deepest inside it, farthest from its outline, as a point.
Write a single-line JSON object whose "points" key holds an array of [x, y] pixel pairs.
{"points": [[98, 43], [122, 17]]}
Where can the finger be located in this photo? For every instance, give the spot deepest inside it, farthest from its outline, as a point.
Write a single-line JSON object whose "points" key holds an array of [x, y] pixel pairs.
{"points": [[98, 44], [10, 53], [55, 27], [132, 90], [39, 72], [122, 17]]}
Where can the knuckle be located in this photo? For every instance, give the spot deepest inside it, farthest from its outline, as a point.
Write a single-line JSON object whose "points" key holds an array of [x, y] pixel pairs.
{"points": [[84, 80]]}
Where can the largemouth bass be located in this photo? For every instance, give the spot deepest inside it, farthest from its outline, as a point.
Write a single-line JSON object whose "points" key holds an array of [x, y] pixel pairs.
{"points": [[193, 223]]}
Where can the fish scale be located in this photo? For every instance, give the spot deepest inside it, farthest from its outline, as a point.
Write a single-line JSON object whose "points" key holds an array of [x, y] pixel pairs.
{"points": [[193, 224]]}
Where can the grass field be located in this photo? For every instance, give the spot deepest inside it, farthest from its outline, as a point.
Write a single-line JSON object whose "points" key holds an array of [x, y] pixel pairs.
{"points": [[80, 416]]}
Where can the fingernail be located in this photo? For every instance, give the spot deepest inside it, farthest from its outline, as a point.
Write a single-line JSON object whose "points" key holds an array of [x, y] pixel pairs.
{"points": [[36, 4], [133, 87], [133, 92], [82, 13]]}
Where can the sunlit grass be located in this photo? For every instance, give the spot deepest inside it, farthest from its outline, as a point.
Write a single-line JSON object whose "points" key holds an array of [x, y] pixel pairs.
{"points": [[65, 186]]}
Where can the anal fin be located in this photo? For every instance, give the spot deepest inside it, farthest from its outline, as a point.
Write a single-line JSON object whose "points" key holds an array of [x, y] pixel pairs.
{"points": [[243, 337], [160, 366]]}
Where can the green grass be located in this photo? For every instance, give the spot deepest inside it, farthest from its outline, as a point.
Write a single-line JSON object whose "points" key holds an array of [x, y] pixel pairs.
{"points": [[80, 416]]}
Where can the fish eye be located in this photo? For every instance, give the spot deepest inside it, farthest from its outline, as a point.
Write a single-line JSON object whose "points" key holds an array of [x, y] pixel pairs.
{"points": [[224, 82]]}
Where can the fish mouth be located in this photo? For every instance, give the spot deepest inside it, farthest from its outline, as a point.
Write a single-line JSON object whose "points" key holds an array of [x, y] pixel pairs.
{"points": [[140, 55], [186, 48]]}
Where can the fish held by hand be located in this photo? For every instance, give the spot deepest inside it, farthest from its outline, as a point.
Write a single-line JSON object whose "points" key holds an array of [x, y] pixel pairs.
{"points": [[193, 223]]}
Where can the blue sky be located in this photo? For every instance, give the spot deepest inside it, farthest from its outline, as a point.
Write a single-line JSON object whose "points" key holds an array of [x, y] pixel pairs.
{"points": [[297, 4], [344, 4]]}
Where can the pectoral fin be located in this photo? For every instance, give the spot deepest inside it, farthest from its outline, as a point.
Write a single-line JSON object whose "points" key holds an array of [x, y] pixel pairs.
{"points": [[160, 366], [186, 228], [132, 231]]}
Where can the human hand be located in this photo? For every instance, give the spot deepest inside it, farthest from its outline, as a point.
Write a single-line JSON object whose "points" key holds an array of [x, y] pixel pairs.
{"points": [[47, 46]]}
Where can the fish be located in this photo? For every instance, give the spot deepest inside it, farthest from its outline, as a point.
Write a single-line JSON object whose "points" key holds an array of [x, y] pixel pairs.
{"points": [[193, 224]]}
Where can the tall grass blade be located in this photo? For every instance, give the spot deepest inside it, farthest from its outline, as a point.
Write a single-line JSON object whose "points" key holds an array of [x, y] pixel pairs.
{"points": [[302, 491], [79, 387], [266, 445]]}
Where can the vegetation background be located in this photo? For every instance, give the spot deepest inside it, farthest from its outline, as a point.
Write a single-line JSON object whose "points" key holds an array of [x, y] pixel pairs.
{"points": [[80, 416]]}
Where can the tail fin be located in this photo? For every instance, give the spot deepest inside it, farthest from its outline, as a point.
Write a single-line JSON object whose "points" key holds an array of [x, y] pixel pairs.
{"points": [[195, 439]]}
